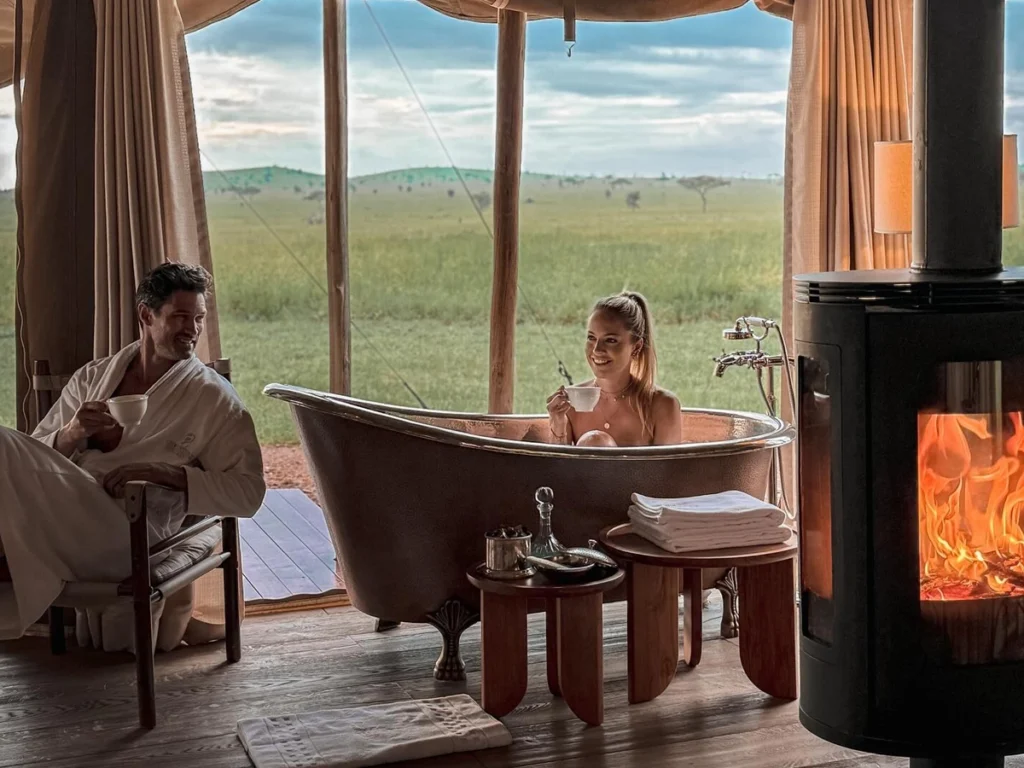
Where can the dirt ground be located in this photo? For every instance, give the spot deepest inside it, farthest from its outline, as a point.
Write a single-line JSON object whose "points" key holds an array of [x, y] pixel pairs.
{"points": [[284, 466]]}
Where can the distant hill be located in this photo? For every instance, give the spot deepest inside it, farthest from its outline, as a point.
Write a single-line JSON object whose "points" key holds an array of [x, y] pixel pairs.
{"points": [[288, 179], [271, 177], [276, 179]]}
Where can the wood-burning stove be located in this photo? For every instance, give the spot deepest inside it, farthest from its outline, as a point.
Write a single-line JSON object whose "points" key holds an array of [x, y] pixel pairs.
{"points": [[911, 450]]}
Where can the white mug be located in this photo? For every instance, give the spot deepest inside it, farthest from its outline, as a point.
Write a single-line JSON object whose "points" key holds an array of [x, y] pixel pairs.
{"points": [[128, 410], [583, 399]]}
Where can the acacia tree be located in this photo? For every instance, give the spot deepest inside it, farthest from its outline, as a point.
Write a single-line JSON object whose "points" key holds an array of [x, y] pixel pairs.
{"points": [[702, 185]]}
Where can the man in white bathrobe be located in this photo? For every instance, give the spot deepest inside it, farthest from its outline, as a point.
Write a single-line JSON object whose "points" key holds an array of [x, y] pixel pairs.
{"points": [[62, 513]]}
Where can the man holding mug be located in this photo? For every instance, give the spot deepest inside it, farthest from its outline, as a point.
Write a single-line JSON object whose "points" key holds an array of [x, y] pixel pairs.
{"points": [[60, 518]]}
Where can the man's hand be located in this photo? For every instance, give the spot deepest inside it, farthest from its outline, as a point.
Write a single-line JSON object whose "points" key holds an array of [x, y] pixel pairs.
{"points": [[92, 417], [162, 474]]}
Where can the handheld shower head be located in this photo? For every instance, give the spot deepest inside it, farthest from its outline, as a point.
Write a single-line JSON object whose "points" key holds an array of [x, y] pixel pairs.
{"points": [[737, 334]]}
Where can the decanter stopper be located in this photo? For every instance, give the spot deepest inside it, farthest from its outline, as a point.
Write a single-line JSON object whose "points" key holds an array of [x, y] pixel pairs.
{"points": [[544, 543], [545, 499]]}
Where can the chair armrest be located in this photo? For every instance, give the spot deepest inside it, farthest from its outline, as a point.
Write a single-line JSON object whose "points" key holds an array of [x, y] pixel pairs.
{"points": [[135, 500]]}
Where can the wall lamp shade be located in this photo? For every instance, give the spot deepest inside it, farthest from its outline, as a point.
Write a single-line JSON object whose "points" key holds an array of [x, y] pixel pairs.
{"points": [[894, 186], [1011, 183]]}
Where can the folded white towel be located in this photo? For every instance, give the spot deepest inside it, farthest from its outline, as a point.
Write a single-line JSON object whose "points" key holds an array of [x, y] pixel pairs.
{"points": [[372, 735], [699, 539], [726, 525], [727, 505]]}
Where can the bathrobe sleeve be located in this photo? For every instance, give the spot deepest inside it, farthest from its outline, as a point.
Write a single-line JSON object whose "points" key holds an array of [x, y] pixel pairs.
{"points": [[229, 481], [71, 398]]}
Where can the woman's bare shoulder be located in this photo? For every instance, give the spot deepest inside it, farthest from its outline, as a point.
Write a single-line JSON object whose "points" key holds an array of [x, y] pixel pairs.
{"points": [[665, 401]]}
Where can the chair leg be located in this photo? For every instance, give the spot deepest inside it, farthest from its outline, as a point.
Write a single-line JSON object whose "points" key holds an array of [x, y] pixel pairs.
{"points": [[58, 641], [232, 601], [142, 599], [144, 663]]}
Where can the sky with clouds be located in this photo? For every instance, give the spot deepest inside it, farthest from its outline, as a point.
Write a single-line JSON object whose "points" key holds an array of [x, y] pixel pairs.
{"points": [[692, 96], [700, 95], [696, 95]]}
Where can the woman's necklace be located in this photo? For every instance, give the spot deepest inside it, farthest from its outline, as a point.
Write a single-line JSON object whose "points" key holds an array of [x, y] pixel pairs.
{"points": [[617, 399]]}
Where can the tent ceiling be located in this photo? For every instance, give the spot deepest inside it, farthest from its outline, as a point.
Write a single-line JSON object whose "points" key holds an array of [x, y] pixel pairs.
{"points": [[195, 14], [587, 10]]}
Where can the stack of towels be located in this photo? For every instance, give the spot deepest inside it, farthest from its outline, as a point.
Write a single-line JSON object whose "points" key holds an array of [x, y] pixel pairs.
{"points": [[716, 521]]}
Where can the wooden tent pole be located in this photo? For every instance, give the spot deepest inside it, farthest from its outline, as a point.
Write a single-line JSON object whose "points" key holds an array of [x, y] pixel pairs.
{"points": [[336, 194], [508, 153]]}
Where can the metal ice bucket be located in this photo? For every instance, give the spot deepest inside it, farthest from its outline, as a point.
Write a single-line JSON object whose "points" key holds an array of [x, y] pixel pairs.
{"points": [[505, 549]]}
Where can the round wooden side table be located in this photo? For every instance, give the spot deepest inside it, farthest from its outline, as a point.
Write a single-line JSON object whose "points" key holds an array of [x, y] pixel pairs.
{"points": [[575, 640], [768, 624]]}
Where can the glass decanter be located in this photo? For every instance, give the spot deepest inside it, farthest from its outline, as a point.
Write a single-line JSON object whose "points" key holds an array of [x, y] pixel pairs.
{"points": [[544, 543]]}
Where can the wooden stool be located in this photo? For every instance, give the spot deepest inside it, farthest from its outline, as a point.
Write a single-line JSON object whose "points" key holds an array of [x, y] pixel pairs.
{"points": [[767, 609], [575, 641]]}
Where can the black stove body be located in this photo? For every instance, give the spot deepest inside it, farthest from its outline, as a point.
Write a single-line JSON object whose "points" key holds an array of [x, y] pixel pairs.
{"points": [[911, 450]]}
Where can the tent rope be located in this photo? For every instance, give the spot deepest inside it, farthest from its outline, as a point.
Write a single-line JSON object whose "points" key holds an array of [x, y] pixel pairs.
{"points": [[563, 371], [311, 276], [19, 259]]}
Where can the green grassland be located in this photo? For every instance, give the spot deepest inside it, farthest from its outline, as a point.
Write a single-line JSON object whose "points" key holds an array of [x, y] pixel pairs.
{"points": [[421, 281]]}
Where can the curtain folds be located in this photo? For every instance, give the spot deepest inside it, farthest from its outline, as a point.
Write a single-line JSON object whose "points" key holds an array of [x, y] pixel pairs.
{"points": [[850, 86], [109, 185], [148, 181], [53, 192]]}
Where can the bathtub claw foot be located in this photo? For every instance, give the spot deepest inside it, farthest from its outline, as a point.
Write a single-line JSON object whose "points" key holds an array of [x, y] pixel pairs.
{"points": [[451, 620], [729, 588], [383, 625]]}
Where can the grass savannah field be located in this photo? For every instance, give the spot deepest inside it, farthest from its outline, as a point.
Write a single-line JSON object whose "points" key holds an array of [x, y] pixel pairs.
{"points": [[421, 274]]}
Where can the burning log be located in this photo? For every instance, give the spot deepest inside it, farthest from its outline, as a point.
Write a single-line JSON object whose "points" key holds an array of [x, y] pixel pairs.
{"points": [[1003, 571]]}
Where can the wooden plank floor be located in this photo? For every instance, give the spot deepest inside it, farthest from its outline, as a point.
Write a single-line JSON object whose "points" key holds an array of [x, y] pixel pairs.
{"points": [[287, 550], [79, 710]]}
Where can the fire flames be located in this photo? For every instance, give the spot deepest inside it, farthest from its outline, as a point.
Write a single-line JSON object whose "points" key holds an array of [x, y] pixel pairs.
{"points": [[970, 499]]}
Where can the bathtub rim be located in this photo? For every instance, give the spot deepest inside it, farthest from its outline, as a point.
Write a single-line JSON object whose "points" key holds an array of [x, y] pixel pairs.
{"points": [[393, 418]]}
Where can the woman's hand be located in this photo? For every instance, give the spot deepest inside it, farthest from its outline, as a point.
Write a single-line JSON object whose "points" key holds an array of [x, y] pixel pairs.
{"points": [[558, 413]]}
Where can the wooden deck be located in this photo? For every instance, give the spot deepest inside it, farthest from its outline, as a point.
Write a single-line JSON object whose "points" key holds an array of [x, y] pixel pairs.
{"points": [[79, 710], [287, 553]]}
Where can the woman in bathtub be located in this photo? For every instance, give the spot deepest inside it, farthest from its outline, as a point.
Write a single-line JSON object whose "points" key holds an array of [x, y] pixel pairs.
{"points": [[632, 409]]}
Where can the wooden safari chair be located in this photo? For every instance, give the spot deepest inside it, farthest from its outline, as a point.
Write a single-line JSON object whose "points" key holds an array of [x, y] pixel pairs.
{"points": [[192, 553]]}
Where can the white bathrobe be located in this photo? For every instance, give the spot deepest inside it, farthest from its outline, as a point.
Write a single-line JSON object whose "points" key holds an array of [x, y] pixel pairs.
{"points": [[56, 521]]}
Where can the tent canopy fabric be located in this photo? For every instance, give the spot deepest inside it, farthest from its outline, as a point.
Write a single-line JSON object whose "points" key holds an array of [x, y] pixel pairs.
{"points": [[599, 10], [195, 14]]}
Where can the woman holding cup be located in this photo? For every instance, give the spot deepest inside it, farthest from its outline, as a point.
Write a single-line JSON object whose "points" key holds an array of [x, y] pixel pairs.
{"points": [[622, 405]]}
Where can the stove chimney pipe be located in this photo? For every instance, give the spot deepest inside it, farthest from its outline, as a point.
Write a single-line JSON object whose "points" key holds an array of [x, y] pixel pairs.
{"points": [[958, 130]]}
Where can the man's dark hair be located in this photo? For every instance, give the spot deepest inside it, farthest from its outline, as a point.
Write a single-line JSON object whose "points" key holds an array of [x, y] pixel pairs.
{"points": [[159, 283]]}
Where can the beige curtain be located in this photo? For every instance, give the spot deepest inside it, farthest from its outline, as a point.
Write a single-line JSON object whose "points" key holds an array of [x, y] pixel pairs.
{"points": [[850, 86], [150, 206], [53, 193], [109, 185], [851, 76], [149, 195]]}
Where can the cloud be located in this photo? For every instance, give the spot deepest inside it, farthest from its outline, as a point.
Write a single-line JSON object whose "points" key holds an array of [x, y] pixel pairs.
{"points": [[696, 95], [677, 96]]}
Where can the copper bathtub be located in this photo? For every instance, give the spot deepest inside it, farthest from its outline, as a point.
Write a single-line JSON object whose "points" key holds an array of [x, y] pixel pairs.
{"points": [[408, 493]]}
